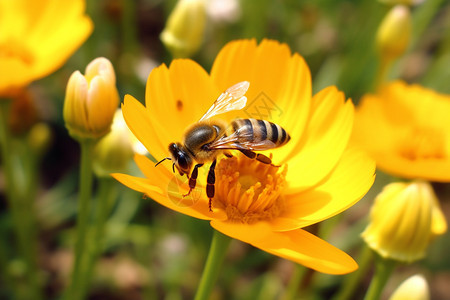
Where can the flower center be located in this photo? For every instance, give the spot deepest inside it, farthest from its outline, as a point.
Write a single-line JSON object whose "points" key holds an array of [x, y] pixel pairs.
{"points": [[14, 49], [423, 144], [249, 190]]}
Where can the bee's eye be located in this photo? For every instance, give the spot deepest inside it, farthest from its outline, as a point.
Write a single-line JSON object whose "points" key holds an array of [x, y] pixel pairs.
{"points": [[183, 162], [173, 148]]}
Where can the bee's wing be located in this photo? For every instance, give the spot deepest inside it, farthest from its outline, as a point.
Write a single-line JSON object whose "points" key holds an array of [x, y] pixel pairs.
{"points": [[239, 141], [232, 99]]}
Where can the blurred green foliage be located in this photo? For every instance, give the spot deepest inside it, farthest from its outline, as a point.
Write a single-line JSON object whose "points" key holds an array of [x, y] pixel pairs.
{"points": [[154, 253]]}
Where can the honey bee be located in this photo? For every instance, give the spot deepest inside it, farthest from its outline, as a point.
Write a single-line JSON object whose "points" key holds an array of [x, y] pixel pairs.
{"points": [[205, 140]]}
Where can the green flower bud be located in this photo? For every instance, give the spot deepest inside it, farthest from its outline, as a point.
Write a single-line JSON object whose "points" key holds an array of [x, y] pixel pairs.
{"points": [[40, 137], [404, 220], [184, 31], [114, 151], [394, 33], [404, 2]]}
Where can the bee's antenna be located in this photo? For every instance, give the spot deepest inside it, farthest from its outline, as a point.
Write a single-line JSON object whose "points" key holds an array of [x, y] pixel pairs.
{"points": [[173, 167], [162, 160]]}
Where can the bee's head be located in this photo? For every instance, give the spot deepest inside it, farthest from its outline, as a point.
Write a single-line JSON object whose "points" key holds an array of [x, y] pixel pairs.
{"points": [[181, 158]]}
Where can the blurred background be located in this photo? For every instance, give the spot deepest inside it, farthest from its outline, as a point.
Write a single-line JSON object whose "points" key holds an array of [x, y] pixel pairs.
{"points": [[152, 252]]}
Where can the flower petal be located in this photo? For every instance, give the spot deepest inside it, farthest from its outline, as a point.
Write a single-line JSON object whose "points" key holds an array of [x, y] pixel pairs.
{"points": [[39, 37], [349, 182], [65, 23], [197, 209], [405, 128], [307, 249], [147, 132], [326, 138], [438, 221], [431, 169], [178, 96], [159, 176], [297, 245], [280, 84], [233, 62], [248, 233], [295, 101], [372, 130]]}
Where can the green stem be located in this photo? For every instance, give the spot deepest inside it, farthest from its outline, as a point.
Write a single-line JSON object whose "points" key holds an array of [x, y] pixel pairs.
{"points": [[219, 247], [7, 281], [295, 282], [106, 195], [84, 201], [351, 281], [31, 162], [382, 75], [21, 206], [128, 24], [383, 270]]}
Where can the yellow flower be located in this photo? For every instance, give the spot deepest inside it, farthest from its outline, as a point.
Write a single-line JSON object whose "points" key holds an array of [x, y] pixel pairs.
{"points": [[115, 150], [266, 206], [414, 288], [37, 37], [404, 219], [91, 100], [406, 129], [183, 34]]}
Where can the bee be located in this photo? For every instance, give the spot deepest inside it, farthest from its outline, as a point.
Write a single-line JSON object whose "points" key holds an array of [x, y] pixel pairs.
{"points": [[206, 139]]}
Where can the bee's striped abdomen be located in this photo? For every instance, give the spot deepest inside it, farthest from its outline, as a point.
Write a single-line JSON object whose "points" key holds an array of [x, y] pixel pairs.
{"points": [[253, 130]]}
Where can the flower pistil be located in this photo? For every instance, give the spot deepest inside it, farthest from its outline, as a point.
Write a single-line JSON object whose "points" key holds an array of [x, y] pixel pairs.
{"points": [[248, 190], [14, 49], [423, 144]]}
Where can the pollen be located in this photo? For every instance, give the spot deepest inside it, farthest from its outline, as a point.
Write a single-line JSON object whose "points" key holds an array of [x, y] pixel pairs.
{"points": [[423, 144], [248, 190]]}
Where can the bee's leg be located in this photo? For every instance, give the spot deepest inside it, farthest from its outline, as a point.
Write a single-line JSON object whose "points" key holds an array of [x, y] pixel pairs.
{"points": [[210, 183], [270, 156], [193, 179], [258, 156]]}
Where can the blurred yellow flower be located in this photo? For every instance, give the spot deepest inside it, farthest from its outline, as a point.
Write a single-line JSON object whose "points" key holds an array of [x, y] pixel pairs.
{"points": [[413, 288], [404, 220], [37, 37], [91, 100], [406, 129], [263, 205], [185, 28]]}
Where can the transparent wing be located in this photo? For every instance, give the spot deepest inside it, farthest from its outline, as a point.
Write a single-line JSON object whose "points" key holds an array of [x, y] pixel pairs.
{"points": [[232, 99], [239, 140]]}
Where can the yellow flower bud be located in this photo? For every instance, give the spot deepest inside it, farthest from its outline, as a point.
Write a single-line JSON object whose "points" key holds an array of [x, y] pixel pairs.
{"points": [[183, 34], [405, 2], [414, 288], [394, 33], [404, 220], [91, 100], [115, 150]]}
